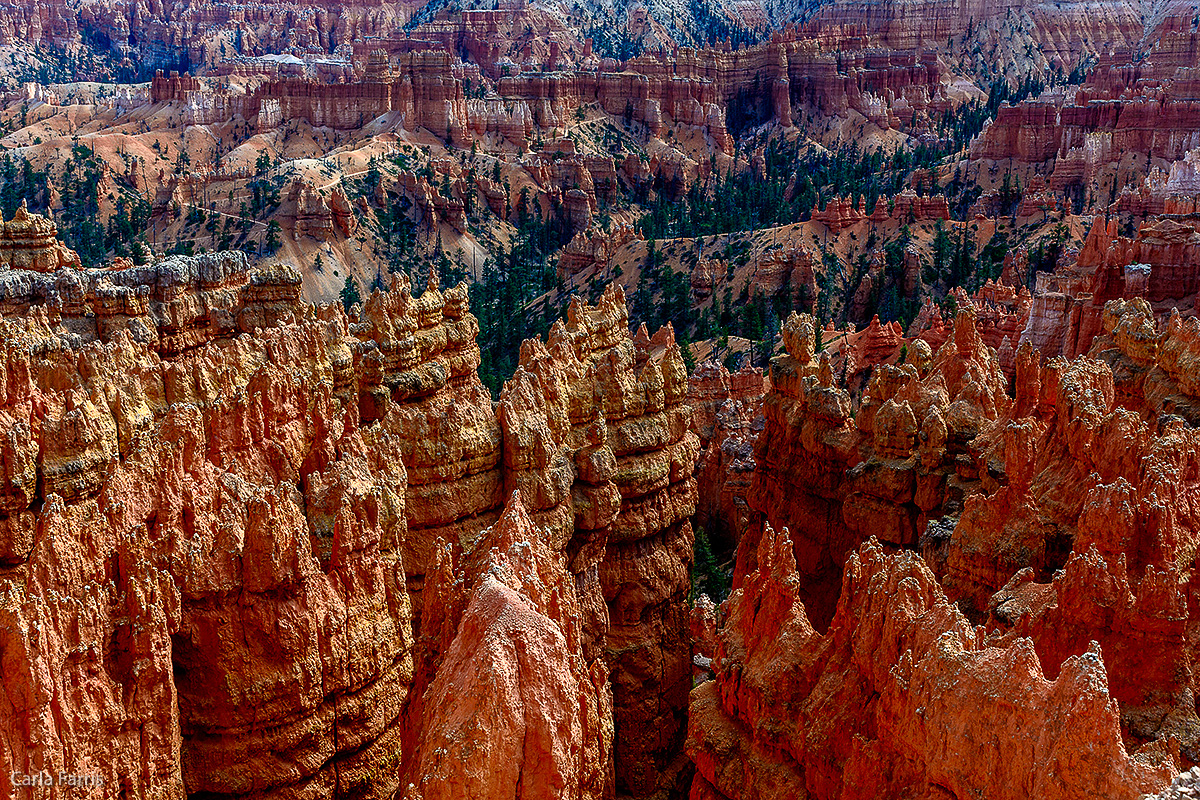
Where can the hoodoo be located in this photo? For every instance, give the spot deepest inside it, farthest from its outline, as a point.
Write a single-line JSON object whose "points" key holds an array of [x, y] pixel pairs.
{"points": [[404, 401]]}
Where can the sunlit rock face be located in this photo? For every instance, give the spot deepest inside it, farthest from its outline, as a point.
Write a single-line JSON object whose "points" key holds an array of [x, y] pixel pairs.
{"points": [[201, 543], [30, 242], [1048, 567], [883, 703], [256, 547]]}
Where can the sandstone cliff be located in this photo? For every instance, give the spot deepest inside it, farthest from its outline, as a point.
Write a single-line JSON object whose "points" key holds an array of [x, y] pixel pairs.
{"points": [[597, 440], [614, 406], [254, 546], [838, 471], [201, 544], [719, 93], [1056, 519], [888, 701]]}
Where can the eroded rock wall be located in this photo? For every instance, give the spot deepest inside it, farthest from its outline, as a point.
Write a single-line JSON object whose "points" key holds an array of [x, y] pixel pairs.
{"points": [[887, 701], [728, 419], [1059, 554], [201, 547], [837, 472], [598, 437], [222, 508]]}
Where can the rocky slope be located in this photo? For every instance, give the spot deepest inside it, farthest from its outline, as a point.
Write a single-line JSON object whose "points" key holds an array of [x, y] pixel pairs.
{"points": [[516, 708]]}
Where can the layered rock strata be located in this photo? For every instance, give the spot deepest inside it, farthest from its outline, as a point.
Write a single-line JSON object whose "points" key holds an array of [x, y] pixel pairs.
{"points": [[714, 90], [1060, 34], [838, 472], [414, 372], [887, 701], [201, 544], [598, 437], [1076, 148], [1064, 535], [223, 507], [728, 419]]}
